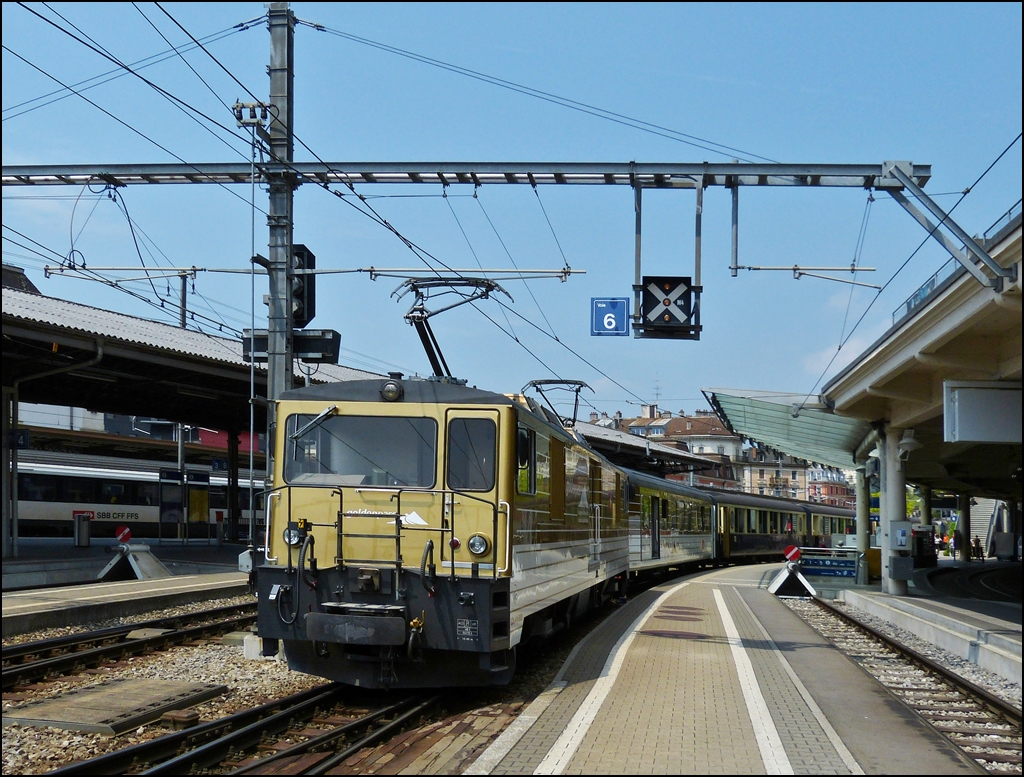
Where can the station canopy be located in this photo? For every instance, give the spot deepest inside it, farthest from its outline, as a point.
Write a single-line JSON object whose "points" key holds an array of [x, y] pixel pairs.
{"points": [[790, 423]]}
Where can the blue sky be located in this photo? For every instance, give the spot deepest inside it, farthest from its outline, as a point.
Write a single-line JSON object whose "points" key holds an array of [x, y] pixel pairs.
{"points": [[937, 84]]}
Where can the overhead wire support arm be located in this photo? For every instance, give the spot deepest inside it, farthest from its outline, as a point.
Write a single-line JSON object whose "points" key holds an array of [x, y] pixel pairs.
{"points": [[797, 274], [896, 178]]}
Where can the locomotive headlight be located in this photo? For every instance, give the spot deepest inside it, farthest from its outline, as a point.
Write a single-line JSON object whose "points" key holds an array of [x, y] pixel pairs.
{"points": [[478, 544], [392, 390], [292, 535]]}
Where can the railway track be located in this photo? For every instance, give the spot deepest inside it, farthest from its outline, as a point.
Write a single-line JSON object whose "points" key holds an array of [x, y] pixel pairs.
{"points": [[33, 661], [308, 727], [986, 729]]}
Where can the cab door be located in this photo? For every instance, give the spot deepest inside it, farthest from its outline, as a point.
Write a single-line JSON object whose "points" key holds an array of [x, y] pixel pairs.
{"points": [[472, 442]]}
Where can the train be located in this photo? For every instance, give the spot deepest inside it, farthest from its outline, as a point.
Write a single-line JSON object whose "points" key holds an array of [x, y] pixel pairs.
{"points": [[420, 531], [55, 487]]}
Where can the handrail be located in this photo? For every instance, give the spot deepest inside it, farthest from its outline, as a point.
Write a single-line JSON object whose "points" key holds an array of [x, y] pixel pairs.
{"points": [[508, 536], [266, 539]]}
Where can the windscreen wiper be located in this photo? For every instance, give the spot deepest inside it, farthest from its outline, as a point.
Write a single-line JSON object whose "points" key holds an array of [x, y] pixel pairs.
{"points": [[315, 422]]}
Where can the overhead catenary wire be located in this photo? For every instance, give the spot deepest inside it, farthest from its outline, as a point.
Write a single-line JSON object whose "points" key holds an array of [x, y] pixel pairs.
{"points": [[472, 250], [914, 253], [118, 72], [180, 104], [181, 56], [422, 254], [120, 121], [509, 255], [601, 113], [209, 305], [855, 263]]}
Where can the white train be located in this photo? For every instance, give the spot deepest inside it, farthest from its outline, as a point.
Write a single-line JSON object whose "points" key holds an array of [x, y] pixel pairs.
{"points": [[54, 488]]}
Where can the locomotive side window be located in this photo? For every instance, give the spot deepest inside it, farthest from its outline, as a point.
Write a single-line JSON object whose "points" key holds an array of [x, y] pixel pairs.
{"points": [[362, 450], [471, 453], [556, 465], [526, 453]]}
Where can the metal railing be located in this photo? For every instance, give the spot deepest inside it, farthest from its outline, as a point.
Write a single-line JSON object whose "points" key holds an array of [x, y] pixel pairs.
{"points": [[951, 270], [446, 530]]}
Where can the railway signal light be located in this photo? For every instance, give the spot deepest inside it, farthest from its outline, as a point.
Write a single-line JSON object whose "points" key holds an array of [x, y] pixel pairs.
{"points": [[670, 308], [303, 286]]}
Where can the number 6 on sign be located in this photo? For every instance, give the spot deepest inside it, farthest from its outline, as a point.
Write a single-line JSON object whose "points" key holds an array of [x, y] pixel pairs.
{"points": [[609, 316]]}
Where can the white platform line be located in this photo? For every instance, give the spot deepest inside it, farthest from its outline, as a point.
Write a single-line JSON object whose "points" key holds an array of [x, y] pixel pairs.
{"points": [[833, 736], [773, 754], [499, 748], [565, 747]]}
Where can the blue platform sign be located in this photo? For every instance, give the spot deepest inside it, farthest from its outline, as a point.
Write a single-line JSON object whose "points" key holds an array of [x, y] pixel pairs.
{"points": [[609, 316], [829, 567]]}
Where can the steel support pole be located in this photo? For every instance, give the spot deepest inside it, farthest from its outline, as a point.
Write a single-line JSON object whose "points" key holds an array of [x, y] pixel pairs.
{"points": [[734, 263], [637, 273], [863, 494], [180, 426], [279, 220], [697, 232]]}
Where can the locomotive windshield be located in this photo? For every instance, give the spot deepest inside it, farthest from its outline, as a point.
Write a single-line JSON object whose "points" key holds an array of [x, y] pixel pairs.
{"points": [[362, 450]]}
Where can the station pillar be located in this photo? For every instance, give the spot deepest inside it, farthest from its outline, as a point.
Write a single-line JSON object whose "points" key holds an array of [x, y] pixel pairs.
{"points": [[963, 528], [1014, 527], [926, 505], [863, 493], [8, 519], [892, 510], [234, 514]]}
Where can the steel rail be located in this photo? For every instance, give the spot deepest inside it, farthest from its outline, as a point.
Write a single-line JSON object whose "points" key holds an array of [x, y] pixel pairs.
{"points": [[994, 755], [329, 737], [69, 662], [1003, 708], [215, 751], [171, 745], [13, 652]]}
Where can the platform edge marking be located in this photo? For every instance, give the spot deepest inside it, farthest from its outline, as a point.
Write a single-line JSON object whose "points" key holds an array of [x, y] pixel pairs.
{"points": [[500, 747], [773, 754], [831, 733], [565, 746]]}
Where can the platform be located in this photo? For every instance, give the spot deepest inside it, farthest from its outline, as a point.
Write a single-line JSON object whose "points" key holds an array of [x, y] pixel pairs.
{"points": [[56, 561], [711, 674], [73, 605]]}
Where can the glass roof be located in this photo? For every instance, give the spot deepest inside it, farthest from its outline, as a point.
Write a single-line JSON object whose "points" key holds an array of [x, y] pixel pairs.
{"points": [[790, 423]]}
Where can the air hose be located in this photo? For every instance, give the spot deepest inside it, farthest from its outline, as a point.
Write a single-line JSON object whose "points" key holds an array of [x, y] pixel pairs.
{"points": [[307, 544], [428, 550]]}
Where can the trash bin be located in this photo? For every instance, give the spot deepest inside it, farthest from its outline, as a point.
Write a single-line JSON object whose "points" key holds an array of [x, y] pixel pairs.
{"points": [[82, 530]]}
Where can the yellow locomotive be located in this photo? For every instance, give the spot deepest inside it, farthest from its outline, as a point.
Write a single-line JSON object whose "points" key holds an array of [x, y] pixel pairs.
{"points": [[418, 531]]}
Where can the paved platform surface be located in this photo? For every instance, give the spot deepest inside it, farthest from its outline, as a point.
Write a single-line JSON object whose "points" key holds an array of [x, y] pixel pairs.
{"points": [[51, 607], [711, 674]]}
